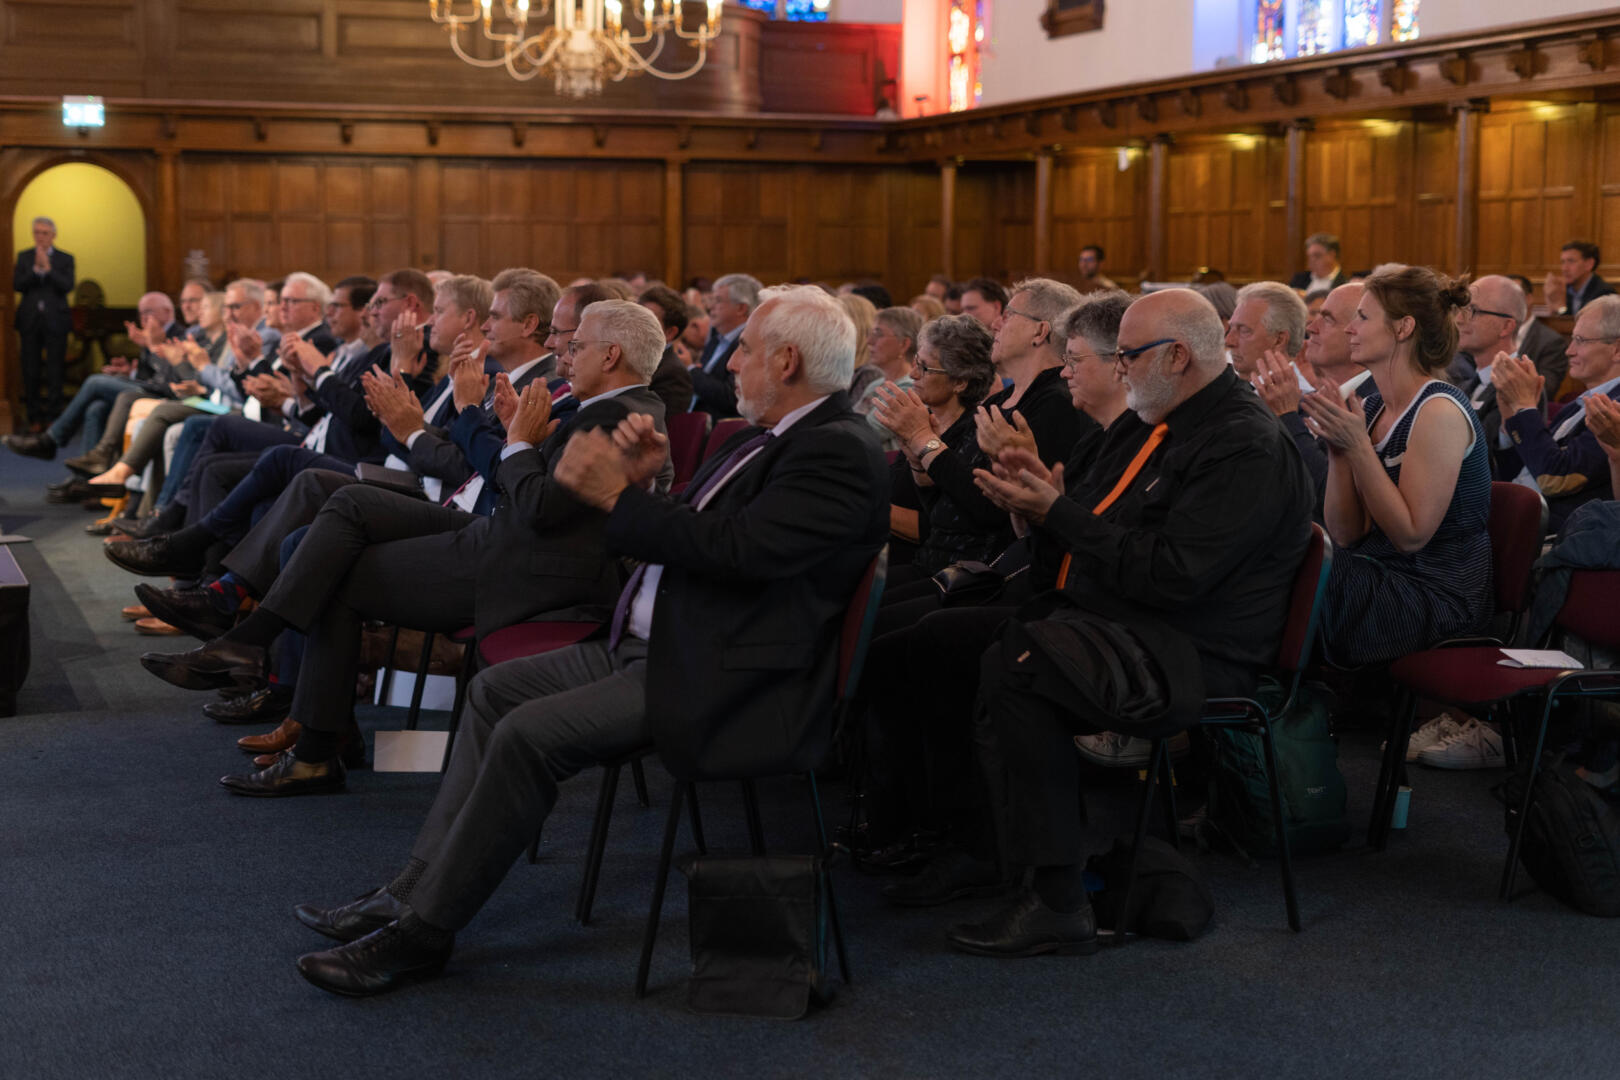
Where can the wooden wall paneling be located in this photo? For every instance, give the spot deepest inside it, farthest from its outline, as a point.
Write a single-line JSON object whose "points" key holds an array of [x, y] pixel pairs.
{"points": [[1535, 191], [973, 254], [1434, 194], [1011, 239], [1355, 178], [1606, 228], [1094, 201], [737, 220], [845, 222], [1280, 260], [913, 238], [1217, 198]]}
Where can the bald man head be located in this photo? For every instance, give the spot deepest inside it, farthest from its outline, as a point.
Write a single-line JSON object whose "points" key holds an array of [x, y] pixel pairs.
{"points": [[1326, 346], [1490, 323], [1171, 345]]}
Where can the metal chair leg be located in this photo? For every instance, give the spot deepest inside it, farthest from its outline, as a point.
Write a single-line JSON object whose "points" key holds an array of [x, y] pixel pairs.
{"points": [[385, 682], [756, 831], [639, 775], [1144, 810], [1511, 870], [697, 820], [651, 933], [1167, 792], [826, 868], [597, 845], [1389, 774], [415, 713], [1283, 857]]}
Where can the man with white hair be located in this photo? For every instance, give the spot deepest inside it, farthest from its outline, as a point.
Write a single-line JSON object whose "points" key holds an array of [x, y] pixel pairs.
{"points": [[1269, 317], [44, 277], [1180, 557], [729, 629]]}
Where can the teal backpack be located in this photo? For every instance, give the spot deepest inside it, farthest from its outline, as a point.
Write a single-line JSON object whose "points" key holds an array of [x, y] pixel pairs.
{"points": [[1313, 791]]}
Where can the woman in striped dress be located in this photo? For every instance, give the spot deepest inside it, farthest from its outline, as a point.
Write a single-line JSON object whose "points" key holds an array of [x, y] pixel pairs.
{"points": [[1409, 485]]}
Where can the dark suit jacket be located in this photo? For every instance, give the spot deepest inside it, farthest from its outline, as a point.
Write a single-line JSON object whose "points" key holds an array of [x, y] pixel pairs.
{"points": [[673, 384], [743, 652], [1302, 280], [44, 296], [542, 552], [714, 386], [1549, 349], [1595, 288]]}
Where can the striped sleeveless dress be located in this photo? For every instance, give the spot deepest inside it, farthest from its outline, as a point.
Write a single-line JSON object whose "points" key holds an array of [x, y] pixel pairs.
{"points": [[1381, 602]]}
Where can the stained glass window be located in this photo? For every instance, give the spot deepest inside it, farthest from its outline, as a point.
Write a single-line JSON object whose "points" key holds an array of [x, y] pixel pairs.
{"points": [[1363, 19], [806, 10], [1268, 32], [1315, 26], [963, 35], [1403, 20], [767, 6]]}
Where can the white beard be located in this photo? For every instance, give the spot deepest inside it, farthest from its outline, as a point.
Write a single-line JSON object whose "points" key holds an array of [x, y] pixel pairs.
{"points": [[752, 410], [1150, 397]]}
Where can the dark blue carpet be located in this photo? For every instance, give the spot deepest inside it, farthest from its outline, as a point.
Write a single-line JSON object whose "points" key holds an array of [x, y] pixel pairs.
{"points": [[145, 927]]}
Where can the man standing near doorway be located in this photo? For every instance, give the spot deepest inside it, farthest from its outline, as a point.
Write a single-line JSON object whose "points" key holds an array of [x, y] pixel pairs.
{"points": [[44, 277]]}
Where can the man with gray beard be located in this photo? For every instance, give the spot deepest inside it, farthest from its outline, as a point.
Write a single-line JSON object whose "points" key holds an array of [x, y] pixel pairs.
{"points": [[1180, 553]]}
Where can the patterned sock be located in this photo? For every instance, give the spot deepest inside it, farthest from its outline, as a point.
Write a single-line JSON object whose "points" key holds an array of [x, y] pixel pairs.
{"points": [[425, 933], [400, 888], [227, 594]]}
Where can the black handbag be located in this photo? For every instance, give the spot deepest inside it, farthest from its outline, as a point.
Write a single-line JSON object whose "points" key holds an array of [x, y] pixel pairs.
{"points": [[967, 583], [759, 934], [396, 480]]}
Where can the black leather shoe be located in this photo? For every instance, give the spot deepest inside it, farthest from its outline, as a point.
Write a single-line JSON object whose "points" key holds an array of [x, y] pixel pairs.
{"points": [[376, 963], [192, 610], [38, 446], [269, 705], [950, 875], [210, 667], [354, 920], [92, 464], [136, 528], [153, 558], [98, 528], [1029, 928], [72, 490], [289, 776]]}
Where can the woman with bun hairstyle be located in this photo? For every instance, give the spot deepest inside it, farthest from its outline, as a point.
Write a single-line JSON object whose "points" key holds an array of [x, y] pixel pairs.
{"points": [[1409, 483]]}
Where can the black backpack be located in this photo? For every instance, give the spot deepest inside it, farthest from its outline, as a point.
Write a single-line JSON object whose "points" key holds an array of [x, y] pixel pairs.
{"points": [[1169, 900], [1571, 841]]}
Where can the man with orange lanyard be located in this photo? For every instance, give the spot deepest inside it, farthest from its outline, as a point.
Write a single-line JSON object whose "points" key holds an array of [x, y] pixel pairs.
{"points": [[1180, 553]]}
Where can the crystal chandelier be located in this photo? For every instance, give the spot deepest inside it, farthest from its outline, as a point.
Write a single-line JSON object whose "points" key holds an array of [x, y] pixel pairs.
{"points": [[586, 42]]}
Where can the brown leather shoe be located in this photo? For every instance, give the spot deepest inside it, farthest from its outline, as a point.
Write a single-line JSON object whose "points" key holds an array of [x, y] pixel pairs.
{"points": [[273, 742], [352, 752], [156, 628], [135, 611]]}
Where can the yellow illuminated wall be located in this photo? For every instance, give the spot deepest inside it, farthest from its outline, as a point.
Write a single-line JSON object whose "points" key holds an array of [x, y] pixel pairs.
{"points": [[98, 221]]}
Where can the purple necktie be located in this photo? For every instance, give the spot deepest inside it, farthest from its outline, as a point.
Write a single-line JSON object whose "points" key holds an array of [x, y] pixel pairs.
{"points": [[692, 496]]}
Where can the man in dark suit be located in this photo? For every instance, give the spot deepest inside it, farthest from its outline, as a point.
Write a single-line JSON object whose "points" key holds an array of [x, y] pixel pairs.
{"points": [[730, 628], [44, 277], [1575, 283], [373, 553], [670, 382], [1487, 327], [734, 298], [1322, 265]]}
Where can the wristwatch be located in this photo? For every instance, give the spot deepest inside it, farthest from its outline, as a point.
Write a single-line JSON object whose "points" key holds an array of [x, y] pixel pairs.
{"points": [[930, 446]]}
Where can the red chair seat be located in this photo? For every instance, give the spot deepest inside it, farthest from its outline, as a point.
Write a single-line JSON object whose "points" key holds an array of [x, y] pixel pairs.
{"points": [[1469, 675], [533, 638]]}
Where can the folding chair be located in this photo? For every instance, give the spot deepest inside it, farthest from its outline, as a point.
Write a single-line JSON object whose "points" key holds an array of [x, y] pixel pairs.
{"points": [[1293, 652]]}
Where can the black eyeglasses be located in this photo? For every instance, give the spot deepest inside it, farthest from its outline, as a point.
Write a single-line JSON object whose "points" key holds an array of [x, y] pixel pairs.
{"points": [[1474, 309], [1128, 356]]}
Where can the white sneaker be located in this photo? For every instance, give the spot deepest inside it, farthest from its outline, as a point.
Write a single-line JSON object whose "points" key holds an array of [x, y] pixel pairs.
{"points": [[1436, 730], [1476, 746], [1116, 750]]}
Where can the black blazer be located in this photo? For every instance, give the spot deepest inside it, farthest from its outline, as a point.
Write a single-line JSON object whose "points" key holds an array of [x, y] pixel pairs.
{"points": [[542, 552], [1550, 351], [1595, 288], [673, 384], [1302, 280], [44, 296], [743, 652], [714, 386]]}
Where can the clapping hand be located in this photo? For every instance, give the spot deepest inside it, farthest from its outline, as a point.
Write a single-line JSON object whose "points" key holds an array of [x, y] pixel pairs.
{"points": [[187, 388], [506, 399], [1336, 423], [1552, 291], [1518, 385], [468, 382], [405, 354], [903, 412], [997, 435], [136, 334], [393, 403], [246, 345], [531, 421], [1276, 382], [644, 447], [304, 355], [1021, 485], [270, 390], [1603, 421]]}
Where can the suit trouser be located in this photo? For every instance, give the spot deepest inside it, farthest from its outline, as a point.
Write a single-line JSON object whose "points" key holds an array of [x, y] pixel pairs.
{"points": [[527, 726], [44, 358], [112, 432], [147, 446], [226, 435], [192, 433], [258, 558], [97, 389], [371, 554], [212, 479], [274, 469]]}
